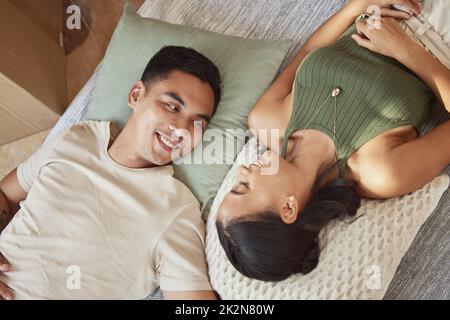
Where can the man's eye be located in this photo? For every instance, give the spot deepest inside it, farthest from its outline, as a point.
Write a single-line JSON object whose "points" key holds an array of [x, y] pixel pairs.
{"points": [[171, 107]]}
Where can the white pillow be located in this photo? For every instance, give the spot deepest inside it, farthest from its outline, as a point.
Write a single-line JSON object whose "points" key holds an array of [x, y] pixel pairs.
{"points": [[359, 255]]}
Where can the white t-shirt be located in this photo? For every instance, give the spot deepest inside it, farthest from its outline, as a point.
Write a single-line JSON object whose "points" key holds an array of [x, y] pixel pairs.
{"points": [[91, 228]]}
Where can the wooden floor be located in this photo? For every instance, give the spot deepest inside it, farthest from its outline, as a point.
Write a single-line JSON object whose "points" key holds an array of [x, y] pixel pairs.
{"points": [[85, 48], [14, 153]]}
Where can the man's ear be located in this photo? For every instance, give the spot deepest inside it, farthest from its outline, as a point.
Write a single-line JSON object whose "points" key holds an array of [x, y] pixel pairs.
{"points": [[289, 210], [136, 92]]}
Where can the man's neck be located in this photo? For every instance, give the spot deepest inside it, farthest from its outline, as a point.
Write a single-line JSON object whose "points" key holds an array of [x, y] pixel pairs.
{"points": [[122, 150]]}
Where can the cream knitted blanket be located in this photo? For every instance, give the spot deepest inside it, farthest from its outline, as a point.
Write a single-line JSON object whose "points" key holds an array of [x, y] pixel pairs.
{"points": [[359, 255]]}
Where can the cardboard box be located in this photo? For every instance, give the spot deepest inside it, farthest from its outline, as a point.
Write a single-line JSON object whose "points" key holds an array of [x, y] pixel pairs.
{"points": [[32, 67]]}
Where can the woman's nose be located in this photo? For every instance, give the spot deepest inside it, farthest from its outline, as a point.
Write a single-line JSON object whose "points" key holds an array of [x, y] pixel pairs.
{"points": [[266, 158]]}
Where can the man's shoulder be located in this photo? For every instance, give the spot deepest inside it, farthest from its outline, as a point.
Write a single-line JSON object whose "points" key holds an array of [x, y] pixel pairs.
{"points": [[85, 131], [184, 195], [90, 126], [85, 136]]}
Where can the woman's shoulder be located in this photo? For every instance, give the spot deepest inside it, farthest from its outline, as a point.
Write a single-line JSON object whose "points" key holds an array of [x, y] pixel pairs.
{"points": [[366, 166], [271, 116]]}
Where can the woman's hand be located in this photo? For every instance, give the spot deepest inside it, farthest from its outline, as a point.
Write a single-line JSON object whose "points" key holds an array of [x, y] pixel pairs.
{"points": [[5, 292], [363, 5], [389, 40]]}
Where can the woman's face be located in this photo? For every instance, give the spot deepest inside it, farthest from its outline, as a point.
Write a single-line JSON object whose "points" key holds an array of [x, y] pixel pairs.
{"points": [[254, 192]]}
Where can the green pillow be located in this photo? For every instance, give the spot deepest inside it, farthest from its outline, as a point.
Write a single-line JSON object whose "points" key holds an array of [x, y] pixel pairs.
{"points": [[247, 67]]}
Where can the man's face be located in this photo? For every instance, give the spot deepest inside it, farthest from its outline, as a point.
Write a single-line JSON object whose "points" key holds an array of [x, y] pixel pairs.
{"points": [[166, 114]]}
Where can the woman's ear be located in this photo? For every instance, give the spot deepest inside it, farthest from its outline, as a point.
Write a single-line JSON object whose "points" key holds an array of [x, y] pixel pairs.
{"points": [[137, 91], [289, 210]]}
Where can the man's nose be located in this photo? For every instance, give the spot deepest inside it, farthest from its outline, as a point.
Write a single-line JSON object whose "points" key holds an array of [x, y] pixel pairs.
{"points": [[177, 134]]}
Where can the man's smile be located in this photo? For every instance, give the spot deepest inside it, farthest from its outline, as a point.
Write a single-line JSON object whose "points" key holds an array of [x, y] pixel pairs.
{"points": [[167, 144]]}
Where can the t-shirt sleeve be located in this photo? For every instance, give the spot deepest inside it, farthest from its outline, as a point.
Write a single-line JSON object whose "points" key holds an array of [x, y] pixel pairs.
{"points": [[179, 255], [28, 171]]}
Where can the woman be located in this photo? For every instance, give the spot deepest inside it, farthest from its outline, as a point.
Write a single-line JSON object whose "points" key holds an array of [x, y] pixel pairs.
{"points": [[348, 108]]}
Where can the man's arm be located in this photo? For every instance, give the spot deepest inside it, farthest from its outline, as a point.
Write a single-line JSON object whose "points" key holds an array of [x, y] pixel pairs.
{"points": [[179, 258], [190, 295], [11, 193]]}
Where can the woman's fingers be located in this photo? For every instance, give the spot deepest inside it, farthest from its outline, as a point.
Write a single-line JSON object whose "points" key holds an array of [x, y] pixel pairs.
{"points": [[398, 14], [362, 28], [5, 292], [362, 41], [362, 37], [411, 5]]}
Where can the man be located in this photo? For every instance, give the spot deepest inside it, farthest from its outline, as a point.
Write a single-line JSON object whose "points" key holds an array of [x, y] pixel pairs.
{"points": [[101, 216]]}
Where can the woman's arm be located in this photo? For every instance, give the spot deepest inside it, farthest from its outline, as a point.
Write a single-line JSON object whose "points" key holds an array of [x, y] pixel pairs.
{"points": [[326, 35], [274, 108], [430, 70], [392, 41]]}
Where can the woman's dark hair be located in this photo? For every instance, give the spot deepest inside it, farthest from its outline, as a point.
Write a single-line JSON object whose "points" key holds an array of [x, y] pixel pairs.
{"points": [[171, 58], [263, 247]]}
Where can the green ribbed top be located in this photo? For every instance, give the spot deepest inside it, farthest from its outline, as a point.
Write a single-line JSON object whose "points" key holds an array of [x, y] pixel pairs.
{"points": [[377, 94]]}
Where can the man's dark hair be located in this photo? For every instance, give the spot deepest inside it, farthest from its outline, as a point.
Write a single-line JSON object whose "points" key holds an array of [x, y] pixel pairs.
{"points": [[171, 58]]}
